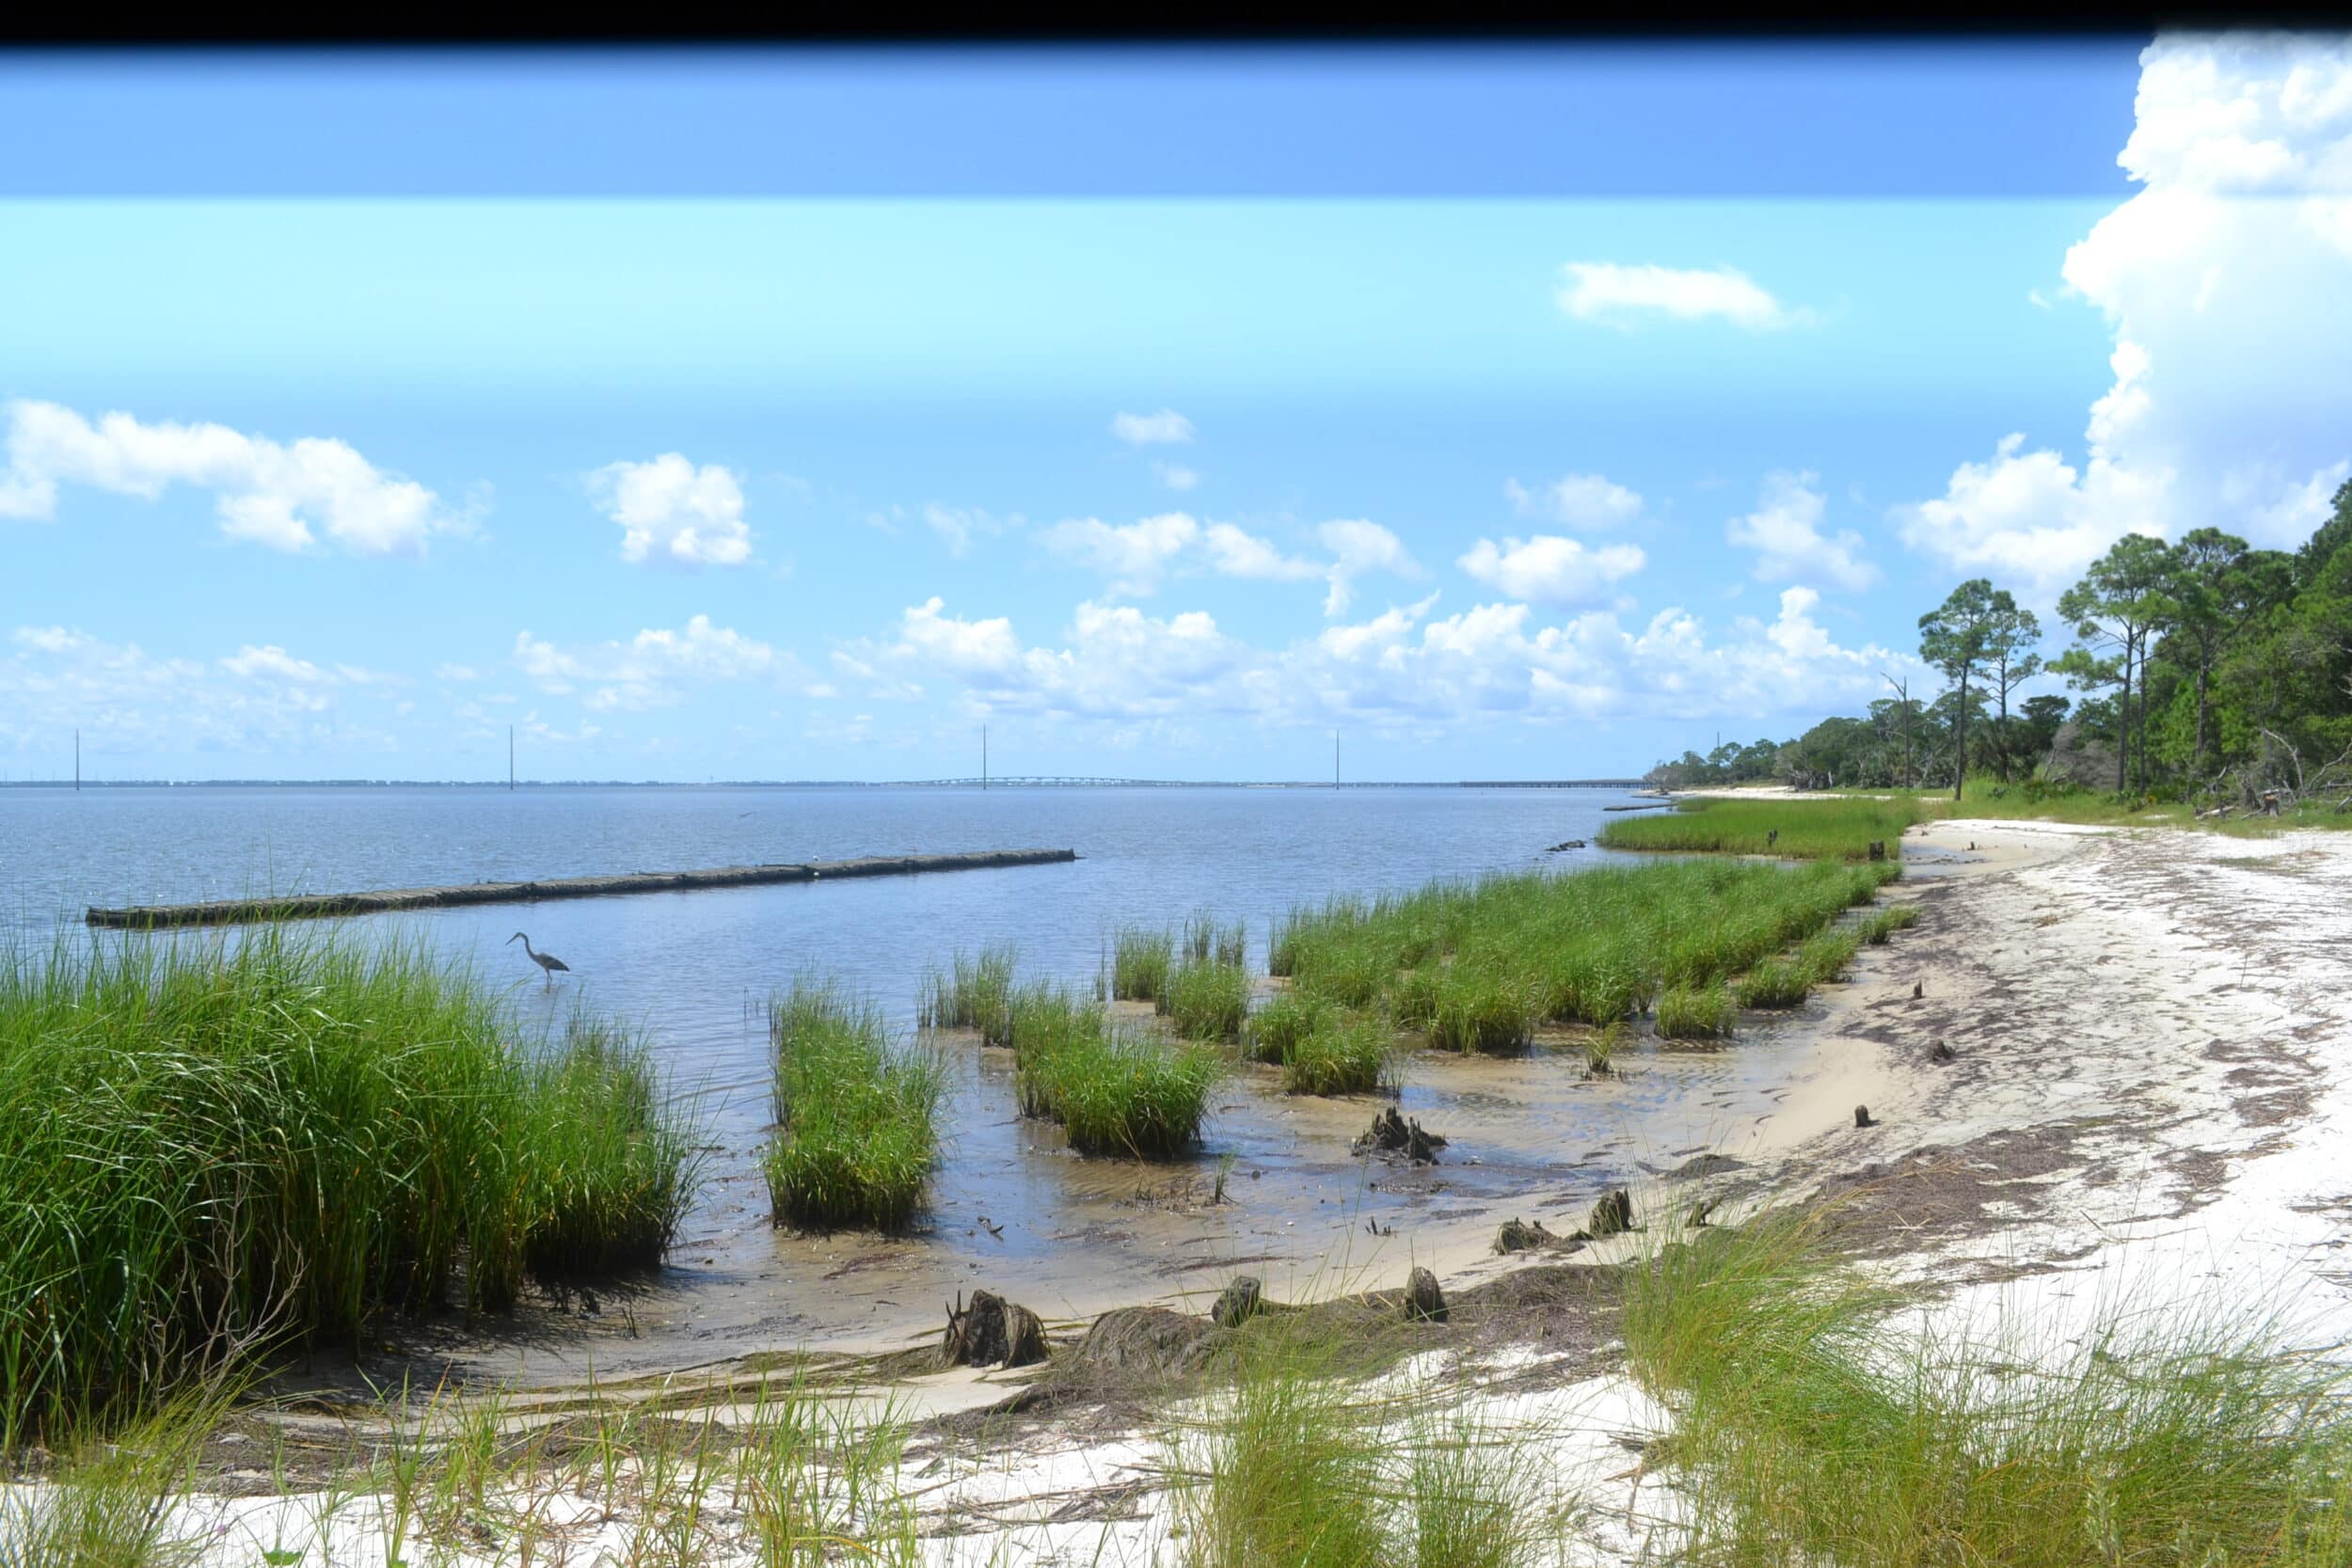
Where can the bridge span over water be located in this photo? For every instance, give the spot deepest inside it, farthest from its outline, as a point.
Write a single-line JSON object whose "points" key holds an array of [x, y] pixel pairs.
{"points": [[1061, 780]]}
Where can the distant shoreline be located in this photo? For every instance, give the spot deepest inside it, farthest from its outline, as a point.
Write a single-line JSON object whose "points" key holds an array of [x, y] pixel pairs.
{"points": [[819, 784]]}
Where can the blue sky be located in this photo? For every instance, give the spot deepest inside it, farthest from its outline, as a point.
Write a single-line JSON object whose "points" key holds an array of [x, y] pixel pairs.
{"points": [[1522, 413]]}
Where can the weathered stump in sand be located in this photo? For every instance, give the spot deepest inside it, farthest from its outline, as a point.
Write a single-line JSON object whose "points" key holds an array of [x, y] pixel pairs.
{"points": [[1423, 1302], [1878, 848], [1519, 1236], [1612, 1214], [990, 1332], [1862, 1116], [1391, 1134], [1148, 1339], [1918, 990], [1940, 1051], [1239, 1302]]}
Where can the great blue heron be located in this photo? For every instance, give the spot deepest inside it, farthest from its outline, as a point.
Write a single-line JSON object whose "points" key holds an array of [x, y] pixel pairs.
{"points": [[547, 962]]}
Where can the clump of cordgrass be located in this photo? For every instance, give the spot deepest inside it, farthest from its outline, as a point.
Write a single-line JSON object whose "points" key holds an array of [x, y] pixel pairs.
{"points": [[1881, 924], [1141, 962], [1775, 983], [1350, 1053], [1827, 955], [1836, 828], [1206, 1001], [1695, 1012], [857, 1113], [209, 1147], [1482, 1007], [1601, 1048], [1284, 1019], [974, 995], [1479, 965], [1115, 1088], [1808, 1429], [1210, 941]]}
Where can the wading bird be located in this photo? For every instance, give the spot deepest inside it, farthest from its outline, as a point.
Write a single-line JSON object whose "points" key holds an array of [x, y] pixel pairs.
{"points": [[547, 962]]}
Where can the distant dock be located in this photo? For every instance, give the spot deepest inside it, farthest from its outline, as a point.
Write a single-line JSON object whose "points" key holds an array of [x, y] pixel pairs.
{"points": [[232, 911]]}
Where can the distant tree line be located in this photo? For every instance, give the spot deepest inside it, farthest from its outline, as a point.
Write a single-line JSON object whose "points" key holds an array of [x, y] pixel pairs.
{"points": [[2203, 669]]}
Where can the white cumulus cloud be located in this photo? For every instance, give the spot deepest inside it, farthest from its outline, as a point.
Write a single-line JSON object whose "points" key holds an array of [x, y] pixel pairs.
{"points": [[1550, 569], [1784, 531], [1614, 292], [2227, 280], [1134, 555], [1586, 502], [669, 511], [657, 666], [1143, 430], [277, 494]]}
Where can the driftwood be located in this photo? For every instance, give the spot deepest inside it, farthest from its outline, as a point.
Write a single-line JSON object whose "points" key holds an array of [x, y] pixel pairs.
{"points": [[992, 1332], [1612, 1214], [1148, 1339]]}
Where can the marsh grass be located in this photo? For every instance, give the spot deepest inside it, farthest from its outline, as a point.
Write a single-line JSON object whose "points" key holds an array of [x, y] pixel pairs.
{"points": [[856, 1112], [975, 994], [1285, 1019], [209, 1148], [1479, 966], [1208, 940], [1206, 1001], [1115, 1088], [1141, 962], [1697, 1012], [1344, 1054], [1879, 924], [1775, 983], [1827, 955], [1809, 1429], [1826, 827]]}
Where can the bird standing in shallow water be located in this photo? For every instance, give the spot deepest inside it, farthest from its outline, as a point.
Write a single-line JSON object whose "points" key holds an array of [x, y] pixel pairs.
{"points": [[547, 962]]}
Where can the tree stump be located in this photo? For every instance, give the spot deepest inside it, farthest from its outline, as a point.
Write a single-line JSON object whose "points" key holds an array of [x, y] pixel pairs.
{"points": [[1612, 1214], [1423, 1302], [990, 1332], [1862, 1116], [1238, 1303], [1878, 848], [1519, 1236], [1391, 1133], [1940, 1051]]}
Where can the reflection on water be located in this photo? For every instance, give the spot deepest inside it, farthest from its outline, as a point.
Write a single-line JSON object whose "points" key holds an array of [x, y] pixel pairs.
{"points": [[1070, 1234]]}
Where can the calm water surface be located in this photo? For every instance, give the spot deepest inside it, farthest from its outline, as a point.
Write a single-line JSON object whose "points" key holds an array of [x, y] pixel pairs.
{"points": [[693, 970]]}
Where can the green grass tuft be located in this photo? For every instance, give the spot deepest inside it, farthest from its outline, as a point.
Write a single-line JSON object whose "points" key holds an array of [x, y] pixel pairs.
{"points": [[1341, 1055], [1287, 1019], [1882, 924], [209, 1148], [856, 1115], [1141, 962], [1207, 1001], [1775, 983], [1827, 827], [1693, 1013], [977, 994]]}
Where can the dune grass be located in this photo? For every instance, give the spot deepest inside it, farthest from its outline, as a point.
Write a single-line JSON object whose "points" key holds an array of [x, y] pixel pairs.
{"points": [[209, 1148], [1290, 1473], [1141, 963], [975, 994], [1824, 827], [857, 1113], [1480, 965], [1807, 1428], [1114, 1087], [1206, 1001]]}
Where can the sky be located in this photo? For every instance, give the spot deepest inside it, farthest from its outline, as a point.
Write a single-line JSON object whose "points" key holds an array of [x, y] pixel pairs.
{"points": [[1525, 412]]}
